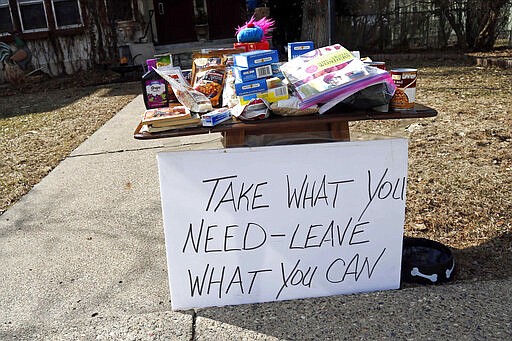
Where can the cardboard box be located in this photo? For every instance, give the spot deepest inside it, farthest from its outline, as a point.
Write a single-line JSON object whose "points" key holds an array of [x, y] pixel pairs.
{"points": [[276, 70], [257, 85], [262, 45], [163, 60], [215, 117], [250, 74], [297, 48], [256, 58], [271, 95]]}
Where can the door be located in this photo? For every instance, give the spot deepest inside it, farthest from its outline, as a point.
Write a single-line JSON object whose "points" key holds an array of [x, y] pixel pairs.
{"points": [[174, 21], [224, 16]]}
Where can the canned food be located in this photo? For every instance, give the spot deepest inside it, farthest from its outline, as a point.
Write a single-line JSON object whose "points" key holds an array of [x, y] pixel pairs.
{"points": [[405, 94]]}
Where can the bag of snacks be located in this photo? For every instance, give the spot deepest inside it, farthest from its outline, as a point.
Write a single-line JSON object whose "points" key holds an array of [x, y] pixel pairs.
{"points": [[209, 58], [210, 82], [194, 100], [256, 109], [209, 71], [291, 107], [175, 73], [229, 98]]}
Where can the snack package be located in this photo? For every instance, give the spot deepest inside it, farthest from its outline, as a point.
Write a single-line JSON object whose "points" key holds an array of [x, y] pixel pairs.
{"points": [[166, 114], [163, 60], [229, 98], [209, 58], [209, 69], [291, 107], [210, 82], [256, 109], [175, 73], [187, 75], [194, 100]]}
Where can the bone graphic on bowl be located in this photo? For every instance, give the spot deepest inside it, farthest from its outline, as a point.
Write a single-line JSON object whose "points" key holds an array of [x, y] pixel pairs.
{"points": [[449, 271], [416, 272]]}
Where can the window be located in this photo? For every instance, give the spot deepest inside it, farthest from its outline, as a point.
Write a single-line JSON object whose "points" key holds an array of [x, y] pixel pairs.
{"points": [[5, 17], [33, 15], [67, 13]]}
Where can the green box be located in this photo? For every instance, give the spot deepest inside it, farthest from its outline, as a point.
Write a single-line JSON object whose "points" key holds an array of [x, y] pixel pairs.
{"points": [[163, 60]]}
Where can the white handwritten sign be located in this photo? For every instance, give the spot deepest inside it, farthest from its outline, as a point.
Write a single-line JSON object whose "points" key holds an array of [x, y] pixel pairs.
{"points": [[248, 225]]}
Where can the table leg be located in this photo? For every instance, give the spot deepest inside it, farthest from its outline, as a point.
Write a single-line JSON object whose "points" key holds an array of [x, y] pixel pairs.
{"points": [[233, 138], [340, 131]]}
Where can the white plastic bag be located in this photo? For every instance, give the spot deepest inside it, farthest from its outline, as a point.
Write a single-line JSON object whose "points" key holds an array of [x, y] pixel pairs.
{"points": [[194, 100]]}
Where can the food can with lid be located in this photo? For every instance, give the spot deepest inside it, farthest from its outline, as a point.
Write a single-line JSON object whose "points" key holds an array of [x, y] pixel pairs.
{"points": [[405, 94]]}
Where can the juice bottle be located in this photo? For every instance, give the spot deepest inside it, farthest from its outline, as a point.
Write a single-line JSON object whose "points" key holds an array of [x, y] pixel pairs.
{"points": [[154, 87]]}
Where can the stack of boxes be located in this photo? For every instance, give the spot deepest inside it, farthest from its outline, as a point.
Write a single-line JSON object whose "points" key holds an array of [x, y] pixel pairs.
{"points": [[257, 75]]}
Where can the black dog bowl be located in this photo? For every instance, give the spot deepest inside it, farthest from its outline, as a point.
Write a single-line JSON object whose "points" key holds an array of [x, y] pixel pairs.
{"points": [[426, 261]]}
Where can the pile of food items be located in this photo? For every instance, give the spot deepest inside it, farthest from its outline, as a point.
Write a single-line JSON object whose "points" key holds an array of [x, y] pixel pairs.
{"points": [[249, 82]]}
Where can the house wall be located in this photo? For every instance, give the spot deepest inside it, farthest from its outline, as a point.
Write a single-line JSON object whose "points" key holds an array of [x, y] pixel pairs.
{"points": [[96, 43], [73, 54]]}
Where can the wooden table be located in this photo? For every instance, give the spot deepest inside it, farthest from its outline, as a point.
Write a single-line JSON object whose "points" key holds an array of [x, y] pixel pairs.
{"points": [[334, 123]]}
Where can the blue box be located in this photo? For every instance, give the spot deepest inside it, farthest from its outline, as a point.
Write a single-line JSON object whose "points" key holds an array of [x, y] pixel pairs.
{"points": [[257, 85], [215, 117], [297, 48], [256, 58], [276, 70], [271, 95], [250, 74]]}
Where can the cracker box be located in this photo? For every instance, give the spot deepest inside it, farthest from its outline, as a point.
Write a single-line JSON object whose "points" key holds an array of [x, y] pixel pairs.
{"points": [[244, 88], [215, 117], [276, 70], [256, 58], [271, 95], [250, 74], [297, 48]]}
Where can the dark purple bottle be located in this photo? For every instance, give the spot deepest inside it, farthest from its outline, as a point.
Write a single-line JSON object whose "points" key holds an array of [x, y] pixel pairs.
{"points": [[154, 87]]}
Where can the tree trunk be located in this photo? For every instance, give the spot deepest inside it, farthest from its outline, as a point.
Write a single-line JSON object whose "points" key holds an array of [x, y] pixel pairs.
{"points": [[442, 35], [482, 20], [486, 37], [101, 32], [315, 22], [489, 21], [445, 8]]}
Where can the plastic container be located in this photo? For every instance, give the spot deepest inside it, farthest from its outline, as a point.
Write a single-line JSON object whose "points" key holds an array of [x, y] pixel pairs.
{"points": [[154, 88]]}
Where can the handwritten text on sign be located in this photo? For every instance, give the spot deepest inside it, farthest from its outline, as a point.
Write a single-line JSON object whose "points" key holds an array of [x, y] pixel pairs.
{"points": [[274, 223]]}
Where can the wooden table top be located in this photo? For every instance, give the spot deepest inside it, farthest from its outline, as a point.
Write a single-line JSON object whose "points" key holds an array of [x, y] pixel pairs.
{"points": [[273, 122]]}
